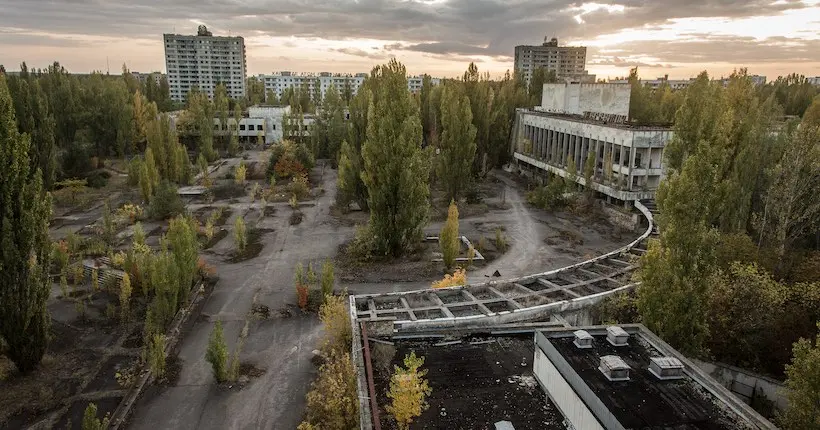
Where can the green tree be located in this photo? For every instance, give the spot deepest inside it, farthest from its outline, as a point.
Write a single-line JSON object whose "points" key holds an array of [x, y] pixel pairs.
{"points": [[217, 353], [90, 420], [395, 167], [540, 76], [327, 279], [333, 402], [25, 209], [448, 239], [803, 383], [408, 391], [182, 238], [240, 234], [457, 144]]}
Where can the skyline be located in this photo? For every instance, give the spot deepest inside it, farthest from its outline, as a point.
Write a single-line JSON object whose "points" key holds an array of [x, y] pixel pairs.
{"points": [[437, 37]]}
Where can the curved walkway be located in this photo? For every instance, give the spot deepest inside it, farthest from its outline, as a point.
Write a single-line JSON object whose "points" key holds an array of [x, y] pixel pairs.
{"points": [[512, 300]]}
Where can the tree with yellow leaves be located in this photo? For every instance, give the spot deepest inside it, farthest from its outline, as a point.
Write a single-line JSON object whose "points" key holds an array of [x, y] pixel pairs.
{"points": [[408, 391], [448, 238]]}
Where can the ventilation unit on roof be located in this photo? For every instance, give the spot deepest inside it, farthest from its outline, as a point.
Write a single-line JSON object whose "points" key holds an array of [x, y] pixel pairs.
{"points": [[582, 339], [616, 336], [666, 367], [614, 368]]}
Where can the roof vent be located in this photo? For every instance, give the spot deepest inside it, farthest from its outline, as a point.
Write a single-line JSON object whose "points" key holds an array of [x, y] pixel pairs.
{"points": [[666, 368], [583, 339], [616, 336], [614, 368]]}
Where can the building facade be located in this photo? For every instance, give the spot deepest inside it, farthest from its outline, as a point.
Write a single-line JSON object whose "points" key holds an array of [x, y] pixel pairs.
{"points": [[279, 82], [204, 61], [576, 121], [568, 62]]}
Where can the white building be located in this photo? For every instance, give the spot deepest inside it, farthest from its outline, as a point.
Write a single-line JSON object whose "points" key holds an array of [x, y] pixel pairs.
{"points": [[204, 61], [575, 120], [814, 81], [278, 82], [568, 62]]}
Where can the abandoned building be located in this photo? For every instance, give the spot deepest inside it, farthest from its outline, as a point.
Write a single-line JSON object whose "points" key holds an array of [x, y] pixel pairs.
{"points": [[546, 375], [576, 121]]}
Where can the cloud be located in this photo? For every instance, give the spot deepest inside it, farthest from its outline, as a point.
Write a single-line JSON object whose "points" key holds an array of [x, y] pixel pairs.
{"points": [[621, 62], [454, 28], [361, 53]]}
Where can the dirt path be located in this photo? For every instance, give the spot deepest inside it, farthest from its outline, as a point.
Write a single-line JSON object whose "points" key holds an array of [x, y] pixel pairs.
{"points": [[282, 346]]}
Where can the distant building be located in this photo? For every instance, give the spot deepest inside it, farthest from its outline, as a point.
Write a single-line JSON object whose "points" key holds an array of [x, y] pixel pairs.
{"points": [[568, 62], [674, 84], [278, 82], [204, 61], [576, 120], [814, 81], [143, 77]]}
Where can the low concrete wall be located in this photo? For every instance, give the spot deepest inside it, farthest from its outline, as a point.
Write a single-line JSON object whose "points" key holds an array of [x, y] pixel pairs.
{"points": [[748, 386], [628, 221]]}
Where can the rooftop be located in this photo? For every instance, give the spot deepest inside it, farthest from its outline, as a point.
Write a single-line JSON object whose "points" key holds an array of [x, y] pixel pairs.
{"points": [[592, 120], [475, 381], [642, 401]]}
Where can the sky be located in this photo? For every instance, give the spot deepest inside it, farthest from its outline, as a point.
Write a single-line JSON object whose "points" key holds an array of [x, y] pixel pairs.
{"points": [[678, 38]]}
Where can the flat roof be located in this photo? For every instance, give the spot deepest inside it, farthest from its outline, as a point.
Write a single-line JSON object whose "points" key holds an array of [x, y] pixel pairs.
{"points": [[475, 382], [580, 118], [644, 401]]}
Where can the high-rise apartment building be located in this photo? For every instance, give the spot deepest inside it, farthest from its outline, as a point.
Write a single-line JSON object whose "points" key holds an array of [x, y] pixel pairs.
{"points": [[278, 82], [204, 61], [568, 62]]}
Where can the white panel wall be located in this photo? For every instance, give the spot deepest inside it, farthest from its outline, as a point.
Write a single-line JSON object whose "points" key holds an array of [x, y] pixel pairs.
{"points": [[564, 397]]}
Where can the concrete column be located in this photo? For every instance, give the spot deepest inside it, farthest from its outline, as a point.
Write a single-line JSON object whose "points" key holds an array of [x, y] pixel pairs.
{"points": [[631, 167], [543, 148], [548, 149]]}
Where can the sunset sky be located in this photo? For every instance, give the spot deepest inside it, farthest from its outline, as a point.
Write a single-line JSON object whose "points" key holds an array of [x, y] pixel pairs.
{"points": [[438, 37]]}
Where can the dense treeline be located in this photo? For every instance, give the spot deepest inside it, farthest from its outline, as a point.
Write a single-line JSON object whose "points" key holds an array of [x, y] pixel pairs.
{"points": [[74, 120], [735, 275]]}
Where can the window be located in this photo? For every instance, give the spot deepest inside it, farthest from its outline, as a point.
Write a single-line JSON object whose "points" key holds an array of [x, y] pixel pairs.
{"points": [[259, 127], [274, 126], [242, 127]]}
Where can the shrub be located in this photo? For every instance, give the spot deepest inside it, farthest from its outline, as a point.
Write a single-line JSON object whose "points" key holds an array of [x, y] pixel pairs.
{"points": [[408, 391], [210, 229], [470, 255], [293, 202], [287, 167], [166, 202], [299, 186], [327, 279], [60, 254], [90, 420], [549, 197], [448, 238], [333, 402], [156, 355], [125, 296], [311, 275], [500, 240], [338, 333], [240, 234], [302, 296], [134, 167], [64, 283], [458, 278], [138, 237], [130, 212], [240, 173], [95, 280], [217, 353]]}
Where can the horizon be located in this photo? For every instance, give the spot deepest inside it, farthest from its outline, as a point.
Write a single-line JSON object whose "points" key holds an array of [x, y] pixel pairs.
{"points": [[435, 37]]}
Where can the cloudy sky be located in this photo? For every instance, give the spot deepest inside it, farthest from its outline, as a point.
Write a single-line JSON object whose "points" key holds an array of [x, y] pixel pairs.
{"points": [[439, 37]]}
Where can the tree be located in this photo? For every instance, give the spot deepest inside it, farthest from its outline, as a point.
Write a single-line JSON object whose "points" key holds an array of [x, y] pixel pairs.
{"points": [[125, 296], [448, 239], [327, 279], [395, 167], [457, 142], [803, 383], [458, 278], [90, 420], [408, 391], [25, 208], [589, 174], [333, 402], [217, 353], [540, 76]]}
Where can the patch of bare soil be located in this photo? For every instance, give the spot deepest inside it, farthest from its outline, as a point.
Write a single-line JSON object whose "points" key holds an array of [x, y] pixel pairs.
{"points": [[253, 248], [414, 267], [219, 235], [296, 217]]}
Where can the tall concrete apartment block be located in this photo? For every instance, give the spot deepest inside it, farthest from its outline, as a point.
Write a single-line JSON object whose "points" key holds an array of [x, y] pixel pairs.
{"points": [[204, 61], [568, 62]]}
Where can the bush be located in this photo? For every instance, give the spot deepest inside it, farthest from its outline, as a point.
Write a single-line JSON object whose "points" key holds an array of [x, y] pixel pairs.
{"points": [[287, 167], [550, 197], [299, 186], [458, 278], [240, 173], [333, 402], [166, 202], [217, 353], [336, 319], [240, 234], [98, 179], [302, 296], [327, 279], [90, 420], [125, 296], [500, 240]]}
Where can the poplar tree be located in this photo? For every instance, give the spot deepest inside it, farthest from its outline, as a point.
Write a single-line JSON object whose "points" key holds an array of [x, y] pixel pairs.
{"points": [[351, 164], [25, 209], [395, 166], [457, 142]]}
